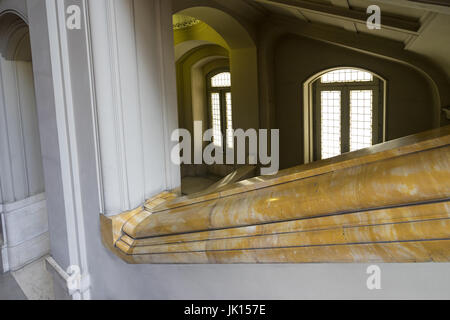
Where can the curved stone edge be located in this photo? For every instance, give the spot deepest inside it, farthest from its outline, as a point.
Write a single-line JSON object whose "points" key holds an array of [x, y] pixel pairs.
{"points": [[124, 245]]}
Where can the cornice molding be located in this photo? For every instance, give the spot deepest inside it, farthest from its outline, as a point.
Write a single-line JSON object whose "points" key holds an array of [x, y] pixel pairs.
{"points": [[409, 26]]}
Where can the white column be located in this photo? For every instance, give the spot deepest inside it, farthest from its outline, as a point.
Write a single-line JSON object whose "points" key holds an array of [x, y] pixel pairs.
{"points": [[135, 86]]}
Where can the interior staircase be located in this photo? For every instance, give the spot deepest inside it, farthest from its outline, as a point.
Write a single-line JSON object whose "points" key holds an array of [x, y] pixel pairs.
{"points": [[387, 203]]}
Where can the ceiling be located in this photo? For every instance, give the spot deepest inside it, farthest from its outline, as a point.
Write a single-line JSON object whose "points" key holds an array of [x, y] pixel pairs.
{"points": [[418, 26], [351, 15]]}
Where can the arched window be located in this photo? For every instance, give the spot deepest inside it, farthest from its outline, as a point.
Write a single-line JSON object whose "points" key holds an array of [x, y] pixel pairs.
{"points": [[347, 115], [220, 107]]}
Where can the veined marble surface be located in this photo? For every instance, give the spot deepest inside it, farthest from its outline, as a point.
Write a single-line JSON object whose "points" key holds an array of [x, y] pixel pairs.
{"points": [[387, 203]]}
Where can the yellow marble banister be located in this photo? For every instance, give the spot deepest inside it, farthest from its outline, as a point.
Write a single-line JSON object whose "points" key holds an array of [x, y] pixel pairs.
{"points": [[387, 203]]}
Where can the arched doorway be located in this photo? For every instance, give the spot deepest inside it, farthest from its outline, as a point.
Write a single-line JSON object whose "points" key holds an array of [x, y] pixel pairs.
{"points": [[210, 41], [24, 214]]}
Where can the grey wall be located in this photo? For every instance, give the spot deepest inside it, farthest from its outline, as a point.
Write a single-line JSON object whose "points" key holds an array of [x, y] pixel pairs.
{"points": [[409, 109], [21, 170], [46, 109], [307, 281], [22, 203]]}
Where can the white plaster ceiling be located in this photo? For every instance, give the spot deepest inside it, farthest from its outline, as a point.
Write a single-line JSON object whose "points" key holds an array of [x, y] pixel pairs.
{"points": [[431, 39]]}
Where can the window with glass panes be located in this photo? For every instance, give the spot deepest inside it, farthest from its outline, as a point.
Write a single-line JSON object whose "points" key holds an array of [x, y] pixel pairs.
{"points": [[347, 115], [221, 108]]}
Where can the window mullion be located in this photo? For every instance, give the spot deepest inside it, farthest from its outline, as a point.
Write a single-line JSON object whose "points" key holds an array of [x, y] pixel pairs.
{"points": [[223, 116], [317, 124], [345, 119], [375, 117]]}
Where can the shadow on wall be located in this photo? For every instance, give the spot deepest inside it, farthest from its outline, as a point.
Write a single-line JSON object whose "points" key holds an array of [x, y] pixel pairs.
{"points": [[409, 96]]}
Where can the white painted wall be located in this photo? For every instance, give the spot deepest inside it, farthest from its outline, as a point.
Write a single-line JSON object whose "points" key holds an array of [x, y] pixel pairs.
{"points": [[22, 174], [26, 235], [22, 198], [135, 100]]}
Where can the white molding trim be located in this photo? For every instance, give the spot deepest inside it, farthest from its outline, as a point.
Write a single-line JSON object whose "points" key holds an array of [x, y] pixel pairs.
{"points": [[7, 208], [17, 12], [28, 251], [63, 279], [3, 248], [25, 232], [62, 83]]}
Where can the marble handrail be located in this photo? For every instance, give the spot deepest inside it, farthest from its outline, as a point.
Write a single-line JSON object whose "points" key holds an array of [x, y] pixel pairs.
{"points": [[389, 202]]}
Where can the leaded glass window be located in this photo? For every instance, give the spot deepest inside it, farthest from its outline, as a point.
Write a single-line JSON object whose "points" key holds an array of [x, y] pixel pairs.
{"points": [[221, 108], [346, 111]]}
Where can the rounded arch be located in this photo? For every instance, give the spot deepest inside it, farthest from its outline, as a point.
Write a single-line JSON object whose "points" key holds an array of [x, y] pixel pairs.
{"points": [[14, 37], [188, 69], [14, 7], [436, 79], [319, 74], [219, 71], [240, 40]]}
